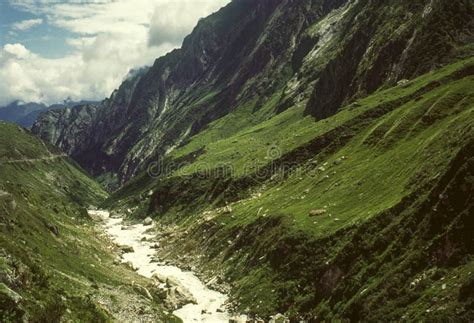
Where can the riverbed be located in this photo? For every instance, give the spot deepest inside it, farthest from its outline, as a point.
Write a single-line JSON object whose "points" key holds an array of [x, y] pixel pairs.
{"points": [[210, 306]]}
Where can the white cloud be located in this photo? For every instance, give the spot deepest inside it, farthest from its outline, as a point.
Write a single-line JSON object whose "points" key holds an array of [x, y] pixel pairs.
{"points": [[92, 73], [172, 20], [27, 24], [108, 39], [17, 50]]}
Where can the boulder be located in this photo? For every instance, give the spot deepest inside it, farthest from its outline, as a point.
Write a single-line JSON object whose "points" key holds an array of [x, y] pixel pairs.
{"points": [[12, 205], [53, 228], [159, 277], [148, 221], [403, 83], [129, 265], [318, 212], [126, 249], [178, 296]]}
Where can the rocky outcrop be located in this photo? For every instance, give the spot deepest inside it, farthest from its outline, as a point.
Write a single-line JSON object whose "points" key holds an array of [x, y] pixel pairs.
{"points": [[379, 43], [67, 128]]}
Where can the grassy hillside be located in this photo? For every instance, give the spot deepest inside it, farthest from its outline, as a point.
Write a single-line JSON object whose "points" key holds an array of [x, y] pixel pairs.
{"points": [[55, 264], [363, 215]]}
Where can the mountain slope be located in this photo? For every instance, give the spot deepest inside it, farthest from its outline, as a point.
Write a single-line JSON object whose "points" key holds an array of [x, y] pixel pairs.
{"points": [[54, 263], [329, 52], [325, 219]]}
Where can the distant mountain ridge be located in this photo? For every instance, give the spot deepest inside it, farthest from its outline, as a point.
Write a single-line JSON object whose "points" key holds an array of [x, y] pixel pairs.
{"points": [[25, 114]]}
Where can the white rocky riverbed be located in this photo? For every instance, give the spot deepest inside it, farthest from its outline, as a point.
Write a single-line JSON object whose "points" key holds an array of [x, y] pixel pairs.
{"points": [[210, 304]]}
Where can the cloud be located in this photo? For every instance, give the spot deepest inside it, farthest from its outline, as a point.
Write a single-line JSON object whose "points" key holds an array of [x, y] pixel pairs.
{"points": [[107, 40], [27, 24], [91, 73], [173, 20], [16, 50]]}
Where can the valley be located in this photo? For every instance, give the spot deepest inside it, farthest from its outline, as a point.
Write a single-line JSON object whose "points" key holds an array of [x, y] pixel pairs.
{"points": [[293, 161]]}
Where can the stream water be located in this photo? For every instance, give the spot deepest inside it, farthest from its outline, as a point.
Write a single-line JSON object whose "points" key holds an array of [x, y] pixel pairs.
{"points": [[210, 305]]}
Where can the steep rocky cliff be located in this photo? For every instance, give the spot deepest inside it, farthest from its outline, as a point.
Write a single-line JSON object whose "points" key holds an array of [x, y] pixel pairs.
{"points": [[327, 51]]}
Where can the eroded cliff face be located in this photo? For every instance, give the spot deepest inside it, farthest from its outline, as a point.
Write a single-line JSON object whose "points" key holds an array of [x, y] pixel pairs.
{"points": [[324, 51]]}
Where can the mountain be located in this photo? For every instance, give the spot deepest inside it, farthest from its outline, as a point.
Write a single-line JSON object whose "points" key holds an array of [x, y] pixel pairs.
{"points": [[322, 54], [25, 114], [54, 265], [18, 111], [314, 157]]}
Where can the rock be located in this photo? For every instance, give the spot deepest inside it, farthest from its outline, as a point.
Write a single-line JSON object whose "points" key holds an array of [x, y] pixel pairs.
{"points": [[318, 212], [178, 297], [129, 265], [53, 228], [148, 221], [403, 83], [155, 246], [117, 261], [159, 277], [12, 205], [143, 239], [126, 249], [157, 292], [143, 291]]}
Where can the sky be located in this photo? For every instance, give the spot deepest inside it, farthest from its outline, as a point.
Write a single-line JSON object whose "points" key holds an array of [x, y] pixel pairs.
{"points": [[51, 50]]}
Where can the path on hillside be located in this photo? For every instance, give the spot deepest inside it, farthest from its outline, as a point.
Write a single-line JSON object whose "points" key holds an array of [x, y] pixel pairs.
{"points": [[31, 160], [210, 304]]}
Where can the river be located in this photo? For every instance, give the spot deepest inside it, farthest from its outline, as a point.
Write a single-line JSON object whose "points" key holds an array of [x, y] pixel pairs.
{"points": [[210, 305]]}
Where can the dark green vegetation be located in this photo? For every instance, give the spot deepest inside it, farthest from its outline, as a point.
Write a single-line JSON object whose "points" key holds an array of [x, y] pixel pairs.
{"points": [[316, 154], [54, 262]]}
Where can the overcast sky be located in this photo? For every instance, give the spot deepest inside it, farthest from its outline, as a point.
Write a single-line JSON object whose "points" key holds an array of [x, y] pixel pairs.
{"points": [[54, 49]]}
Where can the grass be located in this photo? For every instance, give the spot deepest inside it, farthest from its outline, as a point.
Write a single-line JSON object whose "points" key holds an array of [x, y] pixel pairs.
{"points": [[67, 275]]}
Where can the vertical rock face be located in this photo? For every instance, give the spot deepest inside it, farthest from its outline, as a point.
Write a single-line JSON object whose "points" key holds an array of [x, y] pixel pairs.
{"points": [[324, 51]]}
